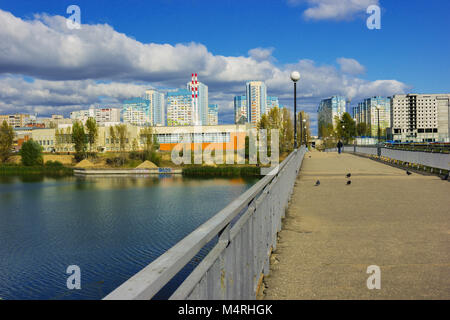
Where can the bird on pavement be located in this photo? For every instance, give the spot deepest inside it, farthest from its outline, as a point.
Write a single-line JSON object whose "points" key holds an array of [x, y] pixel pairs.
{"points": [[349, 183], [317, 183], [408, 173], [348, 175]]}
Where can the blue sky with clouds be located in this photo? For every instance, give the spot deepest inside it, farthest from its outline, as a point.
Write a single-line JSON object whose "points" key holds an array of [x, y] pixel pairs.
{"points": [[124, 47]]}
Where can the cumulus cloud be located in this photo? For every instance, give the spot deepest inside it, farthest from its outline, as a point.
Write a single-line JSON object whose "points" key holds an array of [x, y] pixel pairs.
{"points": [[350, 66], [261, 54], [97, 64], [334, 9]]}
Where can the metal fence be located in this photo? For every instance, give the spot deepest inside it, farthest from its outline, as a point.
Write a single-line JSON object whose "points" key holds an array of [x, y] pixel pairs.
{"points": [[247, 233], [429, 159]]}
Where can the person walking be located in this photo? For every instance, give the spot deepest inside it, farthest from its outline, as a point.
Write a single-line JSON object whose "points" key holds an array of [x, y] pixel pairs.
{"points": [[339, 146]]}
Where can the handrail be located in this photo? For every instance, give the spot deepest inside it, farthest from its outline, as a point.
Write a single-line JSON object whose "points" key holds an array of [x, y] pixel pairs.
{"points": [[150, 280]]}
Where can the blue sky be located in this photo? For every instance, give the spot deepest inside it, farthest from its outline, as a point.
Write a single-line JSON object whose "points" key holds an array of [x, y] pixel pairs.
{"points": [[412, 48]]}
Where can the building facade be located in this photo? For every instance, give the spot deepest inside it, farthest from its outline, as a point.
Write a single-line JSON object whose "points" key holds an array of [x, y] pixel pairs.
{"points": [[272, 102], [374, 111], [15, 120], [157, 106], [420, 117], [101, 115], [240, 109], [213, 115], [179, 108], [137, 112], [256, 93], [328, 110], [226, 137]]}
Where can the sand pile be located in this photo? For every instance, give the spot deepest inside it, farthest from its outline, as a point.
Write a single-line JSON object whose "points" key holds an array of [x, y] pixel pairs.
{"points": [[84, 164], [147, 165]]}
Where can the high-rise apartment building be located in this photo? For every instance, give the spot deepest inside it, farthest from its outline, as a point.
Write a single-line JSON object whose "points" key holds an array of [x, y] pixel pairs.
{"points": [[137, 111], [202, 99], [374, 111], [240, 109], [157, 106], [256, 93], [179, 108], [420, 117], [15, 120], [101, 115], [328, 110], [272, 102], [213, 115]]}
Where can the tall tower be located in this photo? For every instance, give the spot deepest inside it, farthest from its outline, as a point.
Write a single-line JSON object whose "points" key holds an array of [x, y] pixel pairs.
{"points": [[199, 94], [256, 93], [194, 91]]}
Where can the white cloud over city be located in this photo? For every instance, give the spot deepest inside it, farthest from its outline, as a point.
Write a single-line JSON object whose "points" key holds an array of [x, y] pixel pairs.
{"points": [[333, 9], [77, 68]]}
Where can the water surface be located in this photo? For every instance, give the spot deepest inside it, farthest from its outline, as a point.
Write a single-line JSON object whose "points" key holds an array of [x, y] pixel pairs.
{"points": [[111, 227]]}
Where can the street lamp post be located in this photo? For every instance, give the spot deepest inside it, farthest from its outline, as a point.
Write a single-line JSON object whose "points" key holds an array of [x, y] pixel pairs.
{"points": [[295, 76]]}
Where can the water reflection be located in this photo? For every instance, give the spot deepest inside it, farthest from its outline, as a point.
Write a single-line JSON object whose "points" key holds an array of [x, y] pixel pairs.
{"points": [[109, 226]]}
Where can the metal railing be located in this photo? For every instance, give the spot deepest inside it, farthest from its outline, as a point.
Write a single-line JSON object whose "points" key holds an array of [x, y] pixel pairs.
{"points": [[428, 159], [247, 233]]}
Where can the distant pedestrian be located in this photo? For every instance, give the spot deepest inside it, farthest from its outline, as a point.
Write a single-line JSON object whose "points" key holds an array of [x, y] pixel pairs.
{"points": [[339, 146]]}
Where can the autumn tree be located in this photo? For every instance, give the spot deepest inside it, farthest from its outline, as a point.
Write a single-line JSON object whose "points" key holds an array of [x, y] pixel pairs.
{"points": [[92, 132], [6, 141]]}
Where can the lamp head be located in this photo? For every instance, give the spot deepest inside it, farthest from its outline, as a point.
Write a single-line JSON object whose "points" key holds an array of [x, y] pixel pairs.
{"points": [[295, 76]]}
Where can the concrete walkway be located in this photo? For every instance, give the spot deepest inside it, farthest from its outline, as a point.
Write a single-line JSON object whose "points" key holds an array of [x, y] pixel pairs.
{"points": [[333, 232]]}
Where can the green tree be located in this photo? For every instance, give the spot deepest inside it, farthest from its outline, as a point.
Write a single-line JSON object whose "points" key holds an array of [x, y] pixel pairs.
{"points": [[286, 132], [6, 141], [79, 140], [92, 132], [31, 153], [346, 127], [150, 146], [362, 129]]}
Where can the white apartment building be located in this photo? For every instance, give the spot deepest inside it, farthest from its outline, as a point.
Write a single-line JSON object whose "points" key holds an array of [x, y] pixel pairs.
{"points": [[179, 108], [256, 93], [420, 117], [101, 115]]}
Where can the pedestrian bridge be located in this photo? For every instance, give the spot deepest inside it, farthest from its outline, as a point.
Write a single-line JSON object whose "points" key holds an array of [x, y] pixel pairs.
{"points": [[286, 238]]}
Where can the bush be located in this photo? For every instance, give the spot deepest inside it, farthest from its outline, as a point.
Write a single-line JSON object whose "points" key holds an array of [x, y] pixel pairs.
{"points": [[31, 153], [53, 164]]}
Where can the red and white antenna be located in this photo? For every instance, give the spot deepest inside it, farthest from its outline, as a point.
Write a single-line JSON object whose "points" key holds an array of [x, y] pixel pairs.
{"points": [[194, 91]]}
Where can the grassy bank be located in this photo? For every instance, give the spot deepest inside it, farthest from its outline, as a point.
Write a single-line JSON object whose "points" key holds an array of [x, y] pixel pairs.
{"points": [[17, 169], [222, 171]]}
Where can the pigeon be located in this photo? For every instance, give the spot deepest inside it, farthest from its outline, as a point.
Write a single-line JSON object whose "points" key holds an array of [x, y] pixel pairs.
{"points": [[348, 175], [349, 183], [317, 183], [408, 173]]}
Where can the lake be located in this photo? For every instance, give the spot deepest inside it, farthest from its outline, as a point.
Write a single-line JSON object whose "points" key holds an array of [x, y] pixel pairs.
{"points": [[111, 227]]}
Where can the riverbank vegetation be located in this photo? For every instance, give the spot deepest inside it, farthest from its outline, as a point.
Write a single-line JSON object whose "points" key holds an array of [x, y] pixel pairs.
{"points": [[49, 169], [222, 171]]}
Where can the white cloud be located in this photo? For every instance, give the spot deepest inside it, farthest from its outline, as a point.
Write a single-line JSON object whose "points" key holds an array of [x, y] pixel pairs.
{"points": [[261, 54], [350, 66], [77, 68], [334, 9]]}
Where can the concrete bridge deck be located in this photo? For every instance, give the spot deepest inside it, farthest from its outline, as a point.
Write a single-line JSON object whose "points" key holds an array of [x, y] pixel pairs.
{"points": [[333, 232]]}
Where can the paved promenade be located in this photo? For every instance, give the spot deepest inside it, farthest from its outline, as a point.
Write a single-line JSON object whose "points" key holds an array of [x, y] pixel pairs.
{"points": [[333, 232]]}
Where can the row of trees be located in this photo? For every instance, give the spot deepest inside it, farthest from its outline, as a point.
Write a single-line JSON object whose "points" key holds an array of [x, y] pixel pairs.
{"points": [[31, 151], [281, 120]]}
